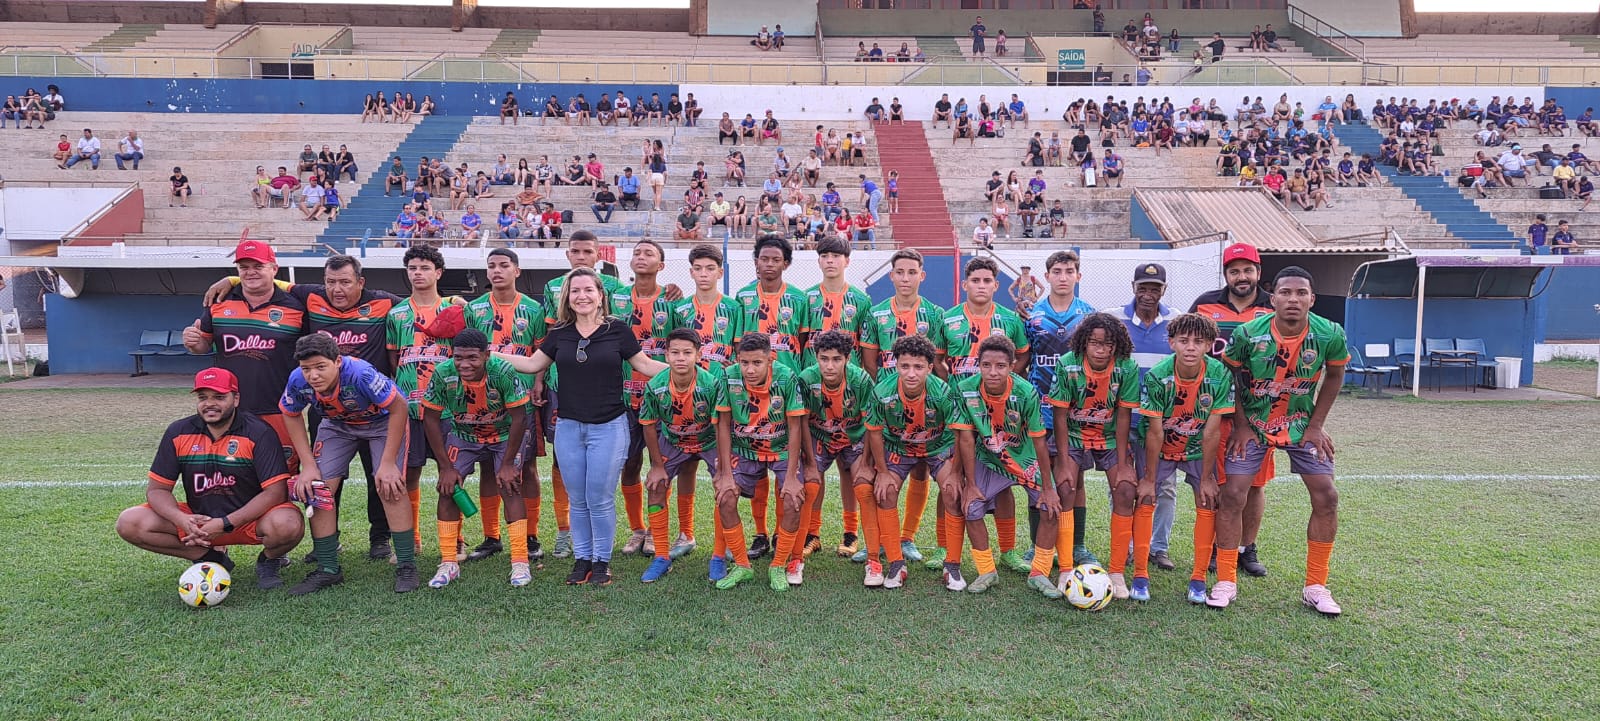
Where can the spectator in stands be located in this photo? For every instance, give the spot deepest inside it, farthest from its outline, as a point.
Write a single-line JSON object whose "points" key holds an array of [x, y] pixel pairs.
{"points": [[11, 110], [1028, 211], [734, 164], [550, 221], [88, 149], [763, 40], [1513, 165], [307, 161], [459, 190], [1216, 46], [1585, 123], [53, 102], [427, 106], [311, 199], [552, 109], [604, 204], [481, 187], [770, 130], [507, 222], [1298, 190], [327, 163], [691, 110], [396, 177], [866, 229], [508, 108], [406, 223], [544, 177], [180, 187], [942, 111], [502, 174], [964, 129], [875, 55], [1581, 162], [33, 109], [283, 186], [674, 109], [435, 226], [983, 235], [699, 177], [903, 55], [874, 111], [1566, 178], [979, 31], [747, 127], [258, 189], [471, 223], [1585, 192], [772, 189], [345, 164], [1269, 39], [1000, 43], [1538, 234], [130, 148], [726, 130], [811, 169], [628, 186], [385, 113], [1562, 242], [1112, 166], [402, 109], [604, 111], [1543, 158]]}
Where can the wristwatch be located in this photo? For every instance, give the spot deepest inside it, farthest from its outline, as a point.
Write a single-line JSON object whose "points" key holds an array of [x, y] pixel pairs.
{"points": [[227, 525]]}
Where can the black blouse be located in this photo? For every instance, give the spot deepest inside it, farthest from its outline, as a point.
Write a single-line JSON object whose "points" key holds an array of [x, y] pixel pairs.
{"points": [[589, 384]]}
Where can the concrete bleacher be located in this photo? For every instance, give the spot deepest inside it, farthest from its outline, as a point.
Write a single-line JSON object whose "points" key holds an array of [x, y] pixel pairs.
{"points": [[1469, 49], [422, 42], [600, 45], [186, 38], [1238, 66], [70, 36]]}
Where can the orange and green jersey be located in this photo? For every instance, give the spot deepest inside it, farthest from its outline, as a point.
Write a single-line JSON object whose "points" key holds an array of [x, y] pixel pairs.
{"points": [[1281, 374], [688, 416], [887, 322], [1092, 399], [913, 427], [256, 344], [360, 331], [650, 318], [846, 311], [552, 293], [718, 326], [963, 332], [1183, 405], [514, 328], [419, 352], [479, 412], [837, 416], [1005, 426], [1216, 306], [761, 414], [785, 316]]}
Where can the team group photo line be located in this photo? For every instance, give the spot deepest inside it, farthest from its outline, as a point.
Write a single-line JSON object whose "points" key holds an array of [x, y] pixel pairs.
{"points": [[770, 389]]}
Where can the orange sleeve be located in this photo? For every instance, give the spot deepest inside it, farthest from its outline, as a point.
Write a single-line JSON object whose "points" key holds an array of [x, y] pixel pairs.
{"points": [[168, 482], [275, 479]]}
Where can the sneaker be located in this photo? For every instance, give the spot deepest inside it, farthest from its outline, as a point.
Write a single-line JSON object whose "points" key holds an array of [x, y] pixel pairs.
{"points": [[935, 559], [796, 571], [983, 582], [1012, 560], [1161, 560], [267, 570], [777, 578], [737, 575], [847, 546], [489, 547], [1082, 555], [405, 578], [600, 573], [1249, 563], [909, 549], [1222, 594], [220, 557], [1211, 566], [895, 577], [1140, 590], [718, 569], [1041, 583], [580, 572], [1119, 587], [860, 556], [952, 578], [379, 551], [315, 581], [874, 577], [1318, 597], [648, 548], [448, 571], [1028, 556], [563, 545], [311, 558], [681, 547], [520, 575], [535, 551], [813, 544], [635, 542], [658, 568], [759, 546], [1197, 592]]}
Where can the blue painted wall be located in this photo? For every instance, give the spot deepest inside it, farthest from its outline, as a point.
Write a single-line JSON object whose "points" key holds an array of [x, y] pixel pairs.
{"points": [[939, 287], [1142, 227], [1506, 326], [1574, 99], [199, 95], [1567, 306], [105, 327]]}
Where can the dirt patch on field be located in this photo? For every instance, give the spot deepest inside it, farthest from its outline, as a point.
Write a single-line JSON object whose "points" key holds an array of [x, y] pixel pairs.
{"points": [[1568, 377]]}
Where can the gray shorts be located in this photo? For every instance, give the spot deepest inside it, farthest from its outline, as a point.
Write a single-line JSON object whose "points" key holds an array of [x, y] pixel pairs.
{"points": [[417, 450], [902, 466], [849, 455], [673, 458], [465, 454], [1167, 469], [990, 483], [1087, 460], [337, 444], [635, 435], [748, 472], [1304, 460]]}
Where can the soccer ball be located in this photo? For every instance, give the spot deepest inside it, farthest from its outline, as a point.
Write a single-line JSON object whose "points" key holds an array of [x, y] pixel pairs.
{"points": [[1087, 587], [204, 584]]}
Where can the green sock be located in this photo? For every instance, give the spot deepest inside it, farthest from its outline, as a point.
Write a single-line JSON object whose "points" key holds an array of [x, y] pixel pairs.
{"points": [[1079, 514], [327, 552], [405, 546]]}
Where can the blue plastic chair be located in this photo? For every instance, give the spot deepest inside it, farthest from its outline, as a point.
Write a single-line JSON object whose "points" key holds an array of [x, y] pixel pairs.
{"points": [[1486, 363], [1405, 356], [151, 342]]}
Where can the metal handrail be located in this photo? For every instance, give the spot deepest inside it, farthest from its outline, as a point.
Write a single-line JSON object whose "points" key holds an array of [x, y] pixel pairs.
{"points": [[99, 213], [1360, 52]]}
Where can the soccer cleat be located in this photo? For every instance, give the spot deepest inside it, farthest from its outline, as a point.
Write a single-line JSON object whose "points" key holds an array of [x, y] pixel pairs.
{"points": [[580, 572], [1119, 587], [600, 573], [1082, 555], [268, 571], [635, 542], [983, 582], [1012, 560], [1249, 563], [1140, 590], [448, 571], [777, 578], [952, 578], [874, 577], [315, 581], [520, 575], [935, 560], [1318, 596], [1197, 592], [535, 551], [813, 544], [563, 545], [658, 568], [681, 547], [648, 548], [847, 545], [737, 575], [718, 569], [405, 578], [489, 547], [860, 556], [1161, 560], [759, 546], [1222, 594], [380, 551], [1041, 583], [796, 571], [1028, 556], [908, 548], [895, 577]]}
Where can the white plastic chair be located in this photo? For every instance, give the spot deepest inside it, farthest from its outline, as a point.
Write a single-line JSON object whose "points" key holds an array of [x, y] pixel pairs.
{"points": [[11, 331]]}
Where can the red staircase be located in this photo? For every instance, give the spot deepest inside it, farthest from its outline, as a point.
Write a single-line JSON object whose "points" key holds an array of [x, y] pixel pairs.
{"points": [[923, 222]]}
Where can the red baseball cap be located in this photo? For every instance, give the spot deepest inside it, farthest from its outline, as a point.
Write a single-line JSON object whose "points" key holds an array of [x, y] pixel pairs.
{"points": [[450, 321], [216, 379], [1240, 251], [255, 250]]}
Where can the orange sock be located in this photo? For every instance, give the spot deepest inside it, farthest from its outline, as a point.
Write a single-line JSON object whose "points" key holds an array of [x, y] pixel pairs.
{"points": [[889, 533], [1143, 522], [1317, 555], [719, 544], [941, 526], [954, 532], [685, 515], [758, 505], [1121, 535], [809, 516], [733, 536], [1006, 530], [916, 504], [489, 512], [1205, 529], [1066, 526], [847, 498], [658, 530], [633, 500], [533, 515], [871, 538], [1228, 564], [449, 534], [1043, 560], [984, 559], [563, 507], [416, 514], [852, 522], [784, 547], [518, 530]]}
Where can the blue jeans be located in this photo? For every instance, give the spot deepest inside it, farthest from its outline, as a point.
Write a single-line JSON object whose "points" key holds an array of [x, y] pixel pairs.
{"points": [[872, 204], [94, 160], [1166, 508], [598, 208], [135, 157], [591, 456]]}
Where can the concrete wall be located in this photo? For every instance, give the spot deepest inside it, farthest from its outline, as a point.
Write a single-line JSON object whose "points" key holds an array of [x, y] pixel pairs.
{"points": [[1361, 18], [47, 213], [1568, 305], [745, 17], [1505, 326], [1508, 23], [1095, 50], [127, 216], [1016, 23], [280, 40]]}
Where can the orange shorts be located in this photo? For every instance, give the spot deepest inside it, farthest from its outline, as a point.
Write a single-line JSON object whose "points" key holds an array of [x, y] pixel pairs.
{"points": [[242, 535], [1268, 470], [290, 458]]}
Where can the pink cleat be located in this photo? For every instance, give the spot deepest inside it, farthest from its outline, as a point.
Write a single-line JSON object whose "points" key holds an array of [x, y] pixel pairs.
{"points": [[1318, 596], [1222, 594]]}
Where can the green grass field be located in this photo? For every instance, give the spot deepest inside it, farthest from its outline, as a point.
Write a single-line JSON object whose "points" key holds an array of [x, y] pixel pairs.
{"points": [[1465, 566]]}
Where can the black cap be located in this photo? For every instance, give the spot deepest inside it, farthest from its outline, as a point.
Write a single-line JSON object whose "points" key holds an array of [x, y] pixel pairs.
{"points": [[1150, 272]]}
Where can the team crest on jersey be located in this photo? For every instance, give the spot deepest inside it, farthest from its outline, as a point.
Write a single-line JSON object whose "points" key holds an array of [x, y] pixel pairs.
{"points": [[403, 315], [785, 313], [996, 330], [922, 327], [1013, 418], [521, 323], [194, 448], [849, 312], [660, 318], [700, 408], [227, 312], [232, 448], [1204, 401], [275, 316], [1308, 356], [775, 403], [364, 311], [721, 323], [492, 395]]}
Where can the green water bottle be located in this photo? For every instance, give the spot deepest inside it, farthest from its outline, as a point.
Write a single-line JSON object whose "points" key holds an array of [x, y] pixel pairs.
{"points": [[464, 501]]}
